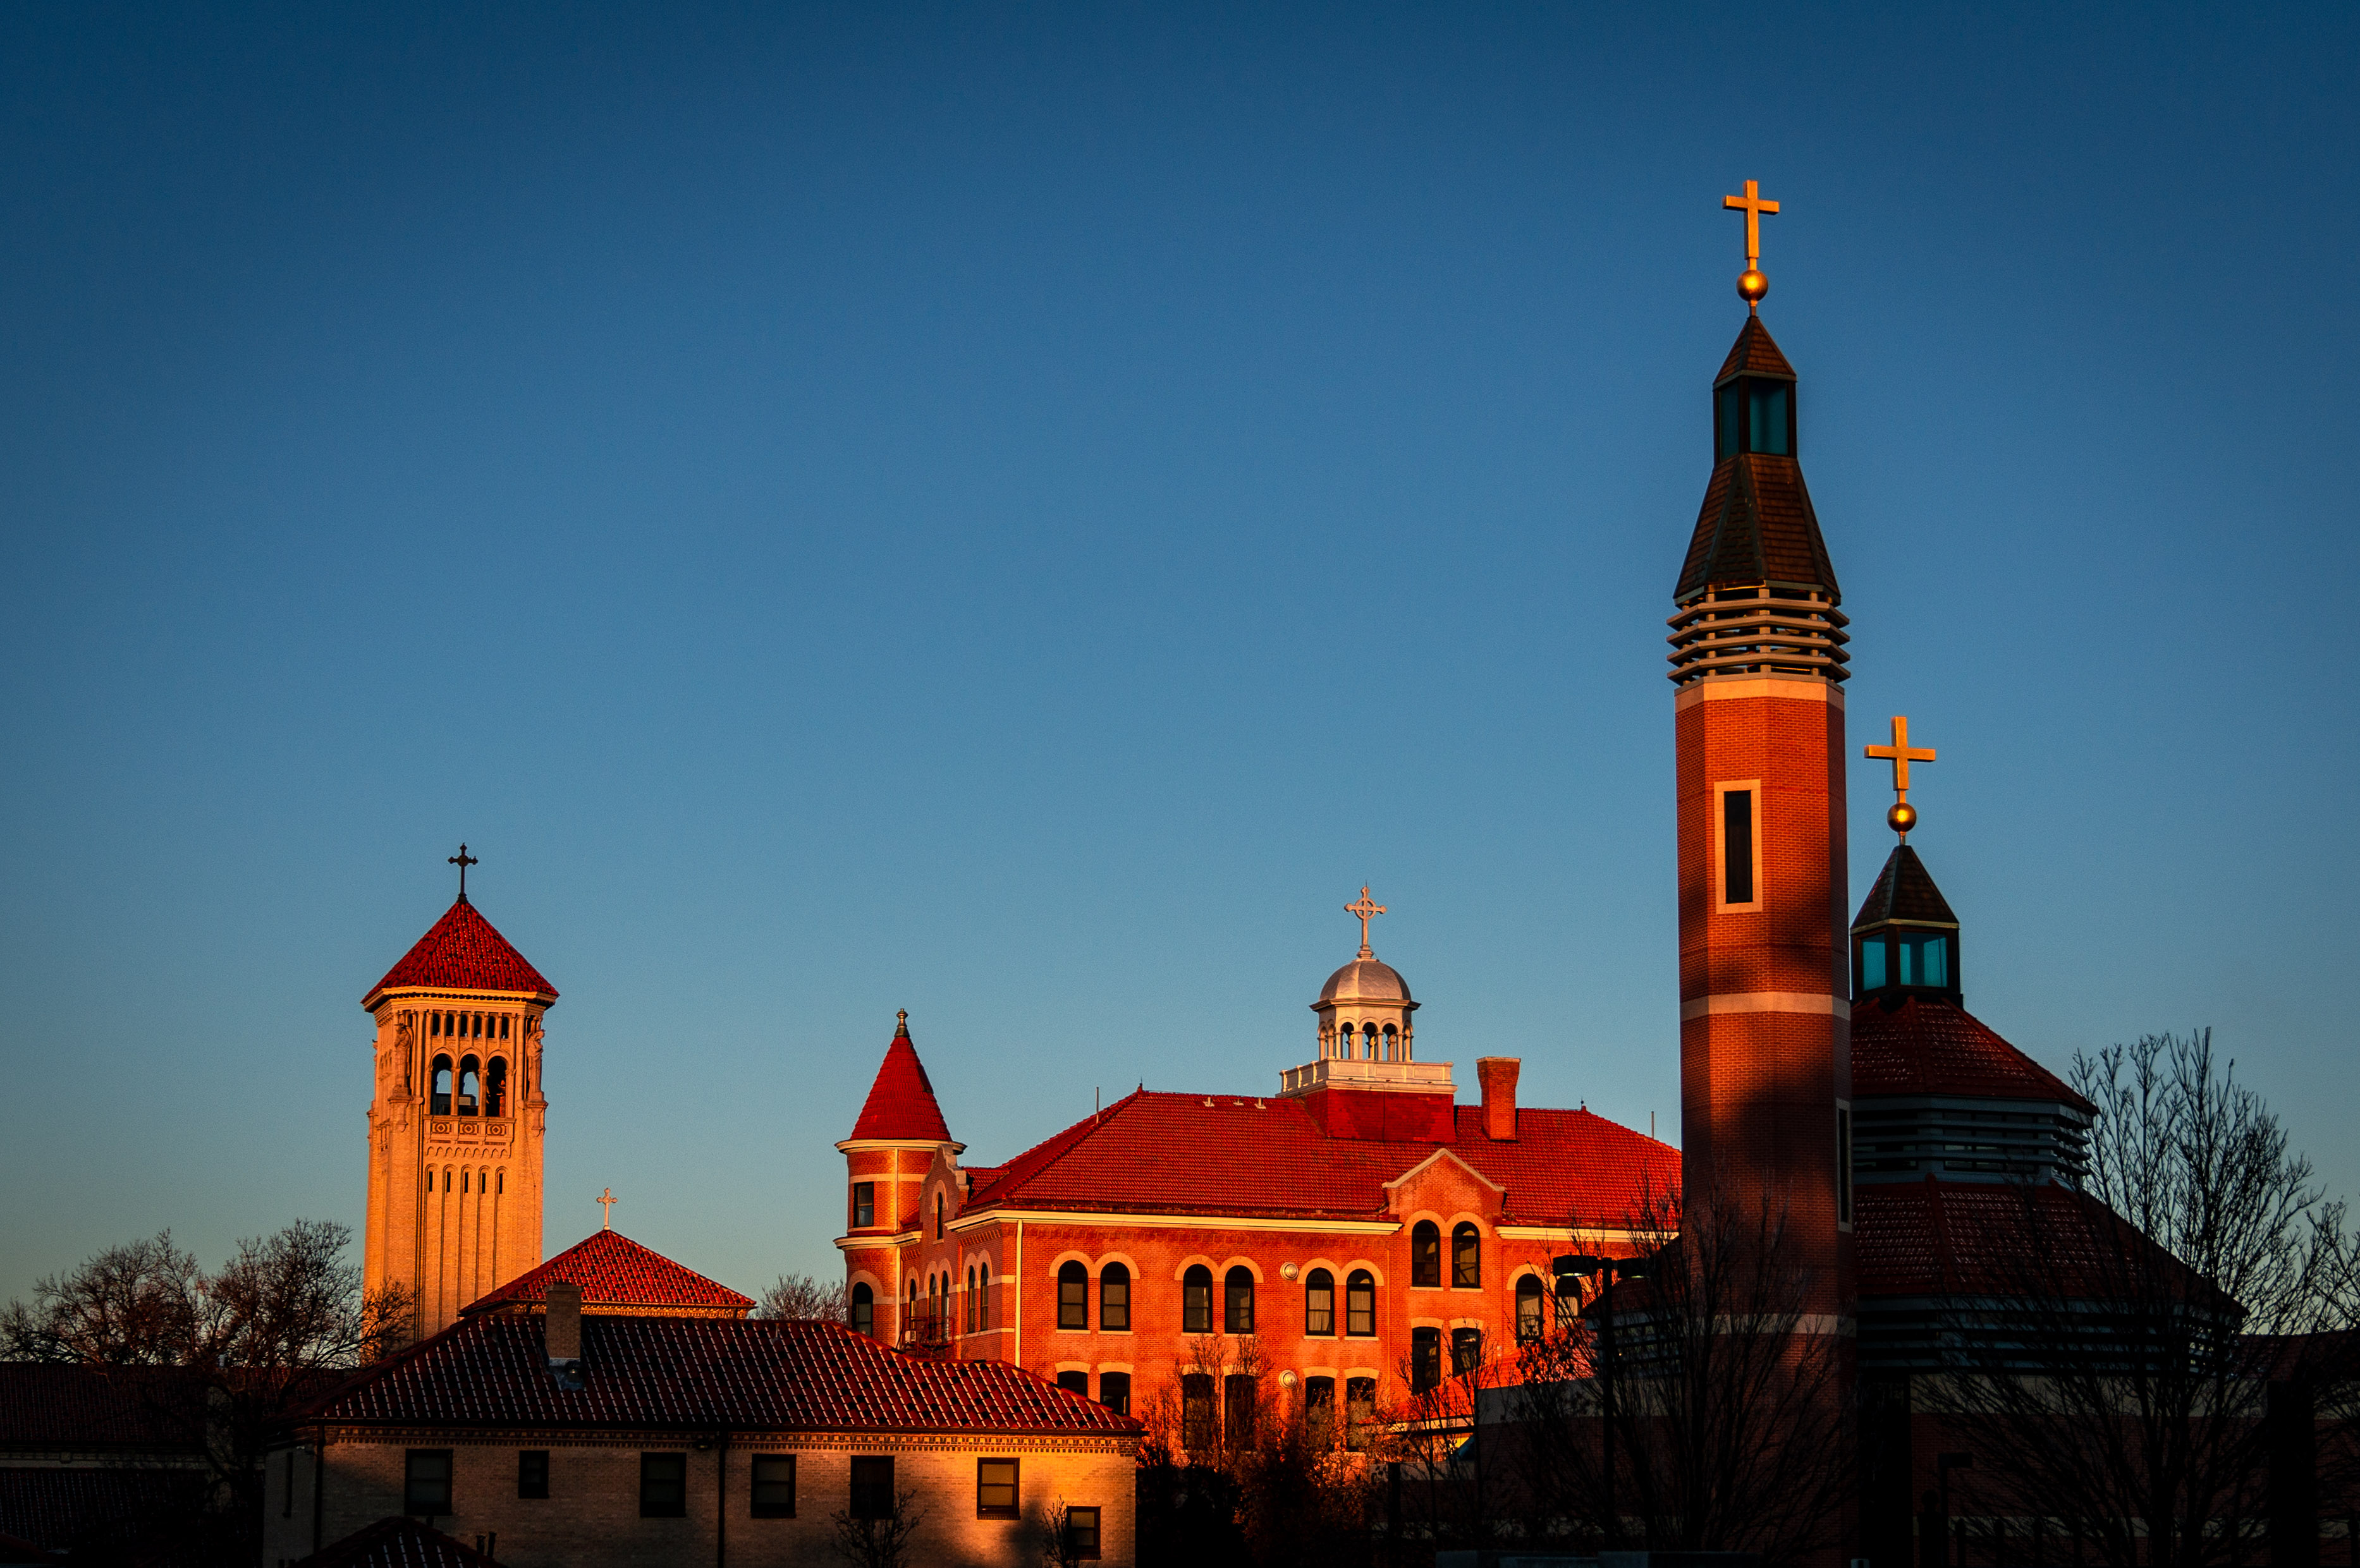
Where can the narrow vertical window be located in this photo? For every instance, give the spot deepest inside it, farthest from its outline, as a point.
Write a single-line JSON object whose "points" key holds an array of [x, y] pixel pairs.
{"points": [[1319, 1411], [1425, 1359], [864, 1204], [1425, 1256], [1359, 1411], [532, 1471], [426, 1482], [1319, 1303], [1236, 1312], [1199, 1428], [1073, 1296], [1528, 1309], [872, 1487], [1196, 1300], [1737, 846], [1465, 1258], [1844, 1164], [1114, 1299], [663, 1486], [1114, 1391], [1466, 1350], [774, 1486], [1360, 1304], [864, 1308]]}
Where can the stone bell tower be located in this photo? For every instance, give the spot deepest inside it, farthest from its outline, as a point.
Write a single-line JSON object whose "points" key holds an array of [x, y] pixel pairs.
{"points": [[454, 1128], [1758, 670]]}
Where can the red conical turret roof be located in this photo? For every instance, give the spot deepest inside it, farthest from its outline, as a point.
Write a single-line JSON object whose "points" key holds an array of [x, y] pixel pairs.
{"points": [[901, 1106], [463, 953]]}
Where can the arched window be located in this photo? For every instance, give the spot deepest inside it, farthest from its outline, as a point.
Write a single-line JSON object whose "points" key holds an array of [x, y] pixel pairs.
{"points": [[1368, 1042], [1425, 1256], [983, 1292], [864, 1310], [1237, 1301], [1319, 1307], [504, 1025], [1319, 1410], [441, 1103], [1360, 1304], [938, 1216], [967, 1314], [1528, 1309], [1073, 1295], [470, 1072], [1465, 1258], [1114, 1299], [1466, 1349], [1389, 1043], [1199, 1428], [1196, 1301], [495, 1087], [499, 1182], [1425, 1359]]}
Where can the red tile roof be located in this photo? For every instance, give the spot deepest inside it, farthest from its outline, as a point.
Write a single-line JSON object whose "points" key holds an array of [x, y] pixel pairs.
{"points": [[1940, 1238], [397, 1543], [463, 953], [746, 1374], [1754, 354], [1924, 1046], [1151, 1152], [901, 1105], [616, 1274]]}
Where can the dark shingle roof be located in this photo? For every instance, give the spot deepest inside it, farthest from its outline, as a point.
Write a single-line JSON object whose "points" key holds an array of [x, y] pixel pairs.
{"points": [[748, 1374], [1756, 526], [1940, 1238], [397, 1543], [1905, 890], [1923, 1045], [1754, 354]]}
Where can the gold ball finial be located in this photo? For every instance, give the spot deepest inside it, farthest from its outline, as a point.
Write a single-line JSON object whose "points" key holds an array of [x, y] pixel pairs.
{"points": [[1902, 818], [1752, 286]]}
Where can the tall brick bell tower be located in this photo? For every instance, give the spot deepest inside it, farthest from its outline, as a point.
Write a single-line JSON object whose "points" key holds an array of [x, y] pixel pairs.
{"points": [[1758, 667]]}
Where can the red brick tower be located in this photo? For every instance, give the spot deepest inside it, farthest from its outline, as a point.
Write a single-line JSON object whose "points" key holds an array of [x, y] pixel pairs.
{"points": [[1758, 663], [891, 1148]]}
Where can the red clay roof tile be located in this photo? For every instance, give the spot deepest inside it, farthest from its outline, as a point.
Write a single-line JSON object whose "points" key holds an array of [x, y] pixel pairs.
{"points": [[616, 1273], [746, 1374], [901, 1105], [1924, 1046], [463, 953], [1157, 1152], [1938, 1238]]}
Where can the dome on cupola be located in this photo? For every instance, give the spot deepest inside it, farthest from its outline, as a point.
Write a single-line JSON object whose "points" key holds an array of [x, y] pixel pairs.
{"points": [[1366, 979]]}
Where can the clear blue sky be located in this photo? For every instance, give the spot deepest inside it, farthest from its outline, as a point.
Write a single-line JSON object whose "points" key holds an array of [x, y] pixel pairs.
{"points": [[1016, 513]]}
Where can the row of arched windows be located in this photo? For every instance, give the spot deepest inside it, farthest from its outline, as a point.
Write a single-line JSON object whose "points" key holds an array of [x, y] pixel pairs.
{"points": [[1198, 1301], [1426, 1257], [469, 1087], [468, 1026], [1374, 1044], [469, 1181]]}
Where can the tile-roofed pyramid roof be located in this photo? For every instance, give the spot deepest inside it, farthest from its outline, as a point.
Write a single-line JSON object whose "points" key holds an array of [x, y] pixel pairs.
{"points": [[1227, 1154], [1754, 354], [398, 1542], [1924, 1046], [1756, 526], [1939, 1238], [618, 1275], [1905, 890], [742, 1374], [900, 1106], [463, 953]]}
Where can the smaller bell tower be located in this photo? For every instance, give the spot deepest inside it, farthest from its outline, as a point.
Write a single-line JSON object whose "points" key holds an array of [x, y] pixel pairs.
{"points": [[456, 1122]]}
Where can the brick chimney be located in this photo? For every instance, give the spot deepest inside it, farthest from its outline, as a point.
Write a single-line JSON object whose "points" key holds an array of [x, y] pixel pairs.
{"points": [[1497, 1076], [562, 1333]]}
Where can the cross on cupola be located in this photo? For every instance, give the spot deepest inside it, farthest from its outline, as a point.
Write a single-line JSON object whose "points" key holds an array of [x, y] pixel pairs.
{"points": [[464, 860], [1751, 285], [1365, 907], [1901, 753]]}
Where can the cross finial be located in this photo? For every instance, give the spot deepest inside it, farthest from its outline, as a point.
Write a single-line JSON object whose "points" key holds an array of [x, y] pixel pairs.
{"points": [[606, 1201], [464, 860], [1903, 816], [1364, 908], [1751, 285]]}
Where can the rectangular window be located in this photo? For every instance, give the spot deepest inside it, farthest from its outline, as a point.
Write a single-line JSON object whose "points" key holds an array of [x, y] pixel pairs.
{"points": [[1466, 1349], [532, 1473], [1843, 1163], [1082, 1534], [774, 1486], [1359, 1411], [1114, 1300], [1360, 1306], [872, 1487], [1238, 1410], [1737, 846], [1236, 1315], [1319, 1410], [1073, 1296], [1872, 964], [1196, 1302], [864, 1204], [995, 1488], [1425, 1359], [1114, 1391], [1319, 1303], [663, 1486], [426, 1482], [1199, 1430]]}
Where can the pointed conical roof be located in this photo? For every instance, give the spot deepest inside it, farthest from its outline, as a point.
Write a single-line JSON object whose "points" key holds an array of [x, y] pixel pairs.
{"points": [[1905, 890], [1754, 354], [463, 953], [900, 1108]]}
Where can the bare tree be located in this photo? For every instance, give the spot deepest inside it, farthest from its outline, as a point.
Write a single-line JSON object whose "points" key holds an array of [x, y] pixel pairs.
{"points": [[249, 1343], [878, 1542], [802, 1296], [2117, 1370], [1693, 1407]]}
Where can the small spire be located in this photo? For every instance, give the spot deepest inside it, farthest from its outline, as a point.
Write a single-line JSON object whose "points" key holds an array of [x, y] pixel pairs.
{"points": [[1364, 908], [1751, 285], [1903, 816], [901, 1024]]}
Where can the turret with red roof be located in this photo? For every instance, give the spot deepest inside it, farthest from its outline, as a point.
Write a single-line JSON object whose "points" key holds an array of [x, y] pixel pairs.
{"points": [[895, 1141]]}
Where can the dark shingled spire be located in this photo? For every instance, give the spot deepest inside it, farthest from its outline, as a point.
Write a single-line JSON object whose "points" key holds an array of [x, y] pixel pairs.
{"points": [[1756, 525], [1904, 891]]}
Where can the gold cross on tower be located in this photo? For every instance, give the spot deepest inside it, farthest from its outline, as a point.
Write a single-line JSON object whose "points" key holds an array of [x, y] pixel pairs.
{"points": [[1751, 285], [1901, 753], [1364, 908], [606, 1201]]}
